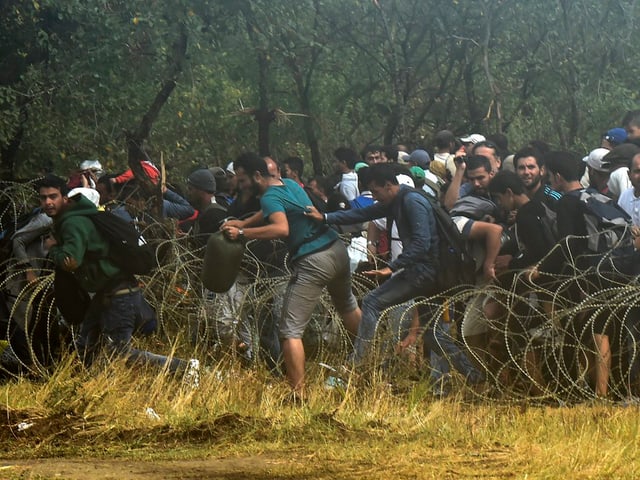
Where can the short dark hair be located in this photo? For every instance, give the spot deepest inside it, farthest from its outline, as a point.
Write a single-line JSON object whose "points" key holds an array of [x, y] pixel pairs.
{"points": [[540, 145], [390, 152], [347, 155], [478, 161], [507, 180], [363, 175], [381, 173], [488, 144], [295, 163], [528, 152], [369, 149], [251, 163], [106, 181], [444, 139], [53, 181], [569, 165], [632, 117]]}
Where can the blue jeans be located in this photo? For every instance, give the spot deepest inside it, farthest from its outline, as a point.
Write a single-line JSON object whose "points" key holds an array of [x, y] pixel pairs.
{"points": [[401, 287], [109, 325]]}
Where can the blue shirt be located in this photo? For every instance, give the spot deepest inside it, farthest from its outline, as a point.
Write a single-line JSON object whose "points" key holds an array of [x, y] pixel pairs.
{"points": [[305, 235]]}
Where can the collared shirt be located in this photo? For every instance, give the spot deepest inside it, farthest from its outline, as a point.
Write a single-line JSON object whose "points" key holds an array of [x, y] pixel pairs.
{"points": [[630, 204]]}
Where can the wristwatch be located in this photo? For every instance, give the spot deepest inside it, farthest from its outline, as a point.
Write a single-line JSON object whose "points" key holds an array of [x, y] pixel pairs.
{"points": [[240, 232]]}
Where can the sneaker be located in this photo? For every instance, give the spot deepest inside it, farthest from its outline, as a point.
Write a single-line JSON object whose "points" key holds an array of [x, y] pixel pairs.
{"points": [[192, 375]]}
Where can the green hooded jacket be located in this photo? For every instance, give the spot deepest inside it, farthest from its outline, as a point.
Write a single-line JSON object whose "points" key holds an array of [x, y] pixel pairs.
{"points": [[78, 238]]}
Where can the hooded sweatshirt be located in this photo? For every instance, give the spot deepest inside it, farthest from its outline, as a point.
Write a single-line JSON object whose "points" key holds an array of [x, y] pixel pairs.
{"points": [[79, 239]]}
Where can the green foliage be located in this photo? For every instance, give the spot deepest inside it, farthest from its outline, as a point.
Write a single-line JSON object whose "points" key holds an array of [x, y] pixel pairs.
{"points": [[75, 76]]}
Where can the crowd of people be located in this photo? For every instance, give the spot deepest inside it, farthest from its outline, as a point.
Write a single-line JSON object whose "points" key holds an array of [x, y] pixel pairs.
{"points": [[540, 223]]}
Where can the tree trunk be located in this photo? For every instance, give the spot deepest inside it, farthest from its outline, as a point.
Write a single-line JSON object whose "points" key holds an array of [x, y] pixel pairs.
{"points": [[263, 115], [135, 140]]}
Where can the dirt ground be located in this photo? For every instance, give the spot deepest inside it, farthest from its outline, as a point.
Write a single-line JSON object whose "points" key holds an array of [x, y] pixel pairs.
{"points": [[438, 465], [24, 434], [87, 469]]}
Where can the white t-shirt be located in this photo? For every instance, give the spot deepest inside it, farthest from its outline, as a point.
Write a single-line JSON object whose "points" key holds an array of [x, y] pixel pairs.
{"points": [[349, 185], [630, 204], [619, 181]]}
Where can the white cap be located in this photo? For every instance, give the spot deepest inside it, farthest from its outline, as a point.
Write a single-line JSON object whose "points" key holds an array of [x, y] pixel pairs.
{"points": [[403, 158], [405, 180], [91, 165], [230, 168], [89, 193], [473, 138], [594, 159]]}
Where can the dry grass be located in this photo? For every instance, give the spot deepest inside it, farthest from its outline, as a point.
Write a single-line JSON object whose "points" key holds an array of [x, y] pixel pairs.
{"points": [[365, 430]]}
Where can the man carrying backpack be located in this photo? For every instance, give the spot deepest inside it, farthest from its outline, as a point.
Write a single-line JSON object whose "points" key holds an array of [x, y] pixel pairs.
{"points": [[413, 273], [78, 247], [583, 216]]}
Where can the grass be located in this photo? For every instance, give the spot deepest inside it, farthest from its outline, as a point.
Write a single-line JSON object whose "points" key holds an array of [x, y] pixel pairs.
{"points": [[367, 430]]}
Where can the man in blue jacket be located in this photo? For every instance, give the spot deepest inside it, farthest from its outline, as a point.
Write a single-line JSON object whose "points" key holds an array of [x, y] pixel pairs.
{"points": [[413, 273]]}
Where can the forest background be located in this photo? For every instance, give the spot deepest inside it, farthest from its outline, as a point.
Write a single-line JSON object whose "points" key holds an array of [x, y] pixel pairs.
{"points": [[78, 78]]}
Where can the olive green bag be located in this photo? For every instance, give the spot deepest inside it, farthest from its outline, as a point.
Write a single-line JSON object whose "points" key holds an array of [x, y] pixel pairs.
{"points": [[222, 259]]}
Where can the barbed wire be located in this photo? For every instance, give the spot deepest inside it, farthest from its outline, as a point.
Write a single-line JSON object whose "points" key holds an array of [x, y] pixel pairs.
{"points": [[541, 347]]}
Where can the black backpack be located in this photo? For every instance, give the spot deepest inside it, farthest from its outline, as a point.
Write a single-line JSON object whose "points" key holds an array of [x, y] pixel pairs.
{"points": [[127, 249], [549, 223], [457, 267]]}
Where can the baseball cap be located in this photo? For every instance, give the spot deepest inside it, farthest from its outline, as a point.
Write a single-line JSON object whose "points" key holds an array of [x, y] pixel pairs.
{"points": [[359, 166], [616, 136], [473, 138], [403, 158], [417, 172], [420, 158], [202, 179], [594, 160]]}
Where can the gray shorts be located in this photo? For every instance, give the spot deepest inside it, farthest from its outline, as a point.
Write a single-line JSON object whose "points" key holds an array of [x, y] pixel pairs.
{"points": [[310, 275]]}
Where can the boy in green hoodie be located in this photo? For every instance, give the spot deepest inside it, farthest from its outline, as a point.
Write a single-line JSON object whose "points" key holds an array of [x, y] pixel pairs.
{"points": [[117, 302]]}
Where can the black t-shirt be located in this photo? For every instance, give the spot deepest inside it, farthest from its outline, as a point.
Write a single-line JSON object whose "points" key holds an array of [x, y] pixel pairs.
{"points": [[570, 222], [209, 221], [531, 235]]}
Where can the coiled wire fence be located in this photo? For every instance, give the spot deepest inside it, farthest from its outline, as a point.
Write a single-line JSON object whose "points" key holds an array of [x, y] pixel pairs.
{"points": [[541, 345]]}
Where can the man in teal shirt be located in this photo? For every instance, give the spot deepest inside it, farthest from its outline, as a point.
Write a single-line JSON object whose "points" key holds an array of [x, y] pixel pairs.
{"points": [[319, 258]]}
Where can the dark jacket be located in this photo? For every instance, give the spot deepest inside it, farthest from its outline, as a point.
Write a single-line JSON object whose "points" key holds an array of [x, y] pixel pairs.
{"points": [[416, 229]]}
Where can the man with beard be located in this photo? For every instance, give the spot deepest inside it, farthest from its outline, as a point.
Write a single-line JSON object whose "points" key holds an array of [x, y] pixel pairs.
{"points": [[201, 188], [475, 213], [530, 167], [319, 259]]}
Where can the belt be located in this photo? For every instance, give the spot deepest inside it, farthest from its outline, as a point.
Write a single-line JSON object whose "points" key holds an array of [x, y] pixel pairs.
{"points": [[124, 291]]}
